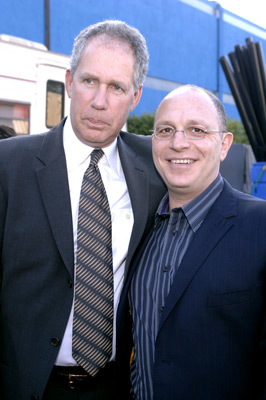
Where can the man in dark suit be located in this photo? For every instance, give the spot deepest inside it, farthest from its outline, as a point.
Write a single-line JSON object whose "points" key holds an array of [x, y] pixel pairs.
{"points": [[40, 185], [198, 294]]}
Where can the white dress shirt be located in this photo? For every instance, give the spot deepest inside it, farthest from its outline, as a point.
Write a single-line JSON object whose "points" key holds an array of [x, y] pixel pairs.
{"points": [[78, 159]]}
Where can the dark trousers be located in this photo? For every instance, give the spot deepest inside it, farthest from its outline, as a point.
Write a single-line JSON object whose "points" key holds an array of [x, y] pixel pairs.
{"points": [[101, 387]]}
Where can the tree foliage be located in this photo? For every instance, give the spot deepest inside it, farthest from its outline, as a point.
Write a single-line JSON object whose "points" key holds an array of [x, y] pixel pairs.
{"points": [[238, 130], [141, 125]]}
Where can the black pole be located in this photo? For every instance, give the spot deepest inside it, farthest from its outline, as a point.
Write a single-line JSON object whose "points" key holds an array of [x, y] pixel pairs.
{"points": [[258, 86], [262, 66], [247, 101], [47, 23], [241, 108]]}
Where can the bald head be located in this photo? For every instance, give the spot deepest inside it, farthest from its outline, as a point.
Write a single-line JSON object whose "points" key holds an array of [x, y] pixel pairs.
{"points": [[221, 115]]}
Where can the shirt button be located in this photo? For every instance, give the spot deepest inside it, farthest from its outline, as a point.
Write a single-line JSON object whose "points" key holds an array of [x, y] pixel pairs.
{"points": [[127, 216], [165, 268], [161, 308], [55, 341]]}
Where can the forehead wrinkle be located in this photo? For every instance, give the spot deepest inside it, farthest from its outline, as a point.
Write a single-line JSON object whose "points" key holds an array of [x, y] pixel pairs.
{"points": [[188, 122], [197, 122], [165, 122]]}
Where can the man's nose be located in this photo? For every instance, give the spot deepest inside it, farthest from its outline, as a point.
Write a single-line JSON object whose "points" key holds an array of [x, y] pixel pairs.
{"points": [[179, 139], [100, 98]]}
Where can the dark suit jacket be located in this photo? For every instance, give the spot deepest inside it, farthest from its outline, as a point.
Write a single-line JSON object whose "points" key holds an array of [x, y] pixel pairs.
{"points": [[211, 343], [36, 241]]}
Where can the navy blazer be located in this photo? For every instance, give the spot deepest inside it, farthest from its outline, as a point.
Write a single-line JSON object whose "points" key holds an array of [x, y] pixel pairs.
{"points": [[211, 343], [37, 259]]}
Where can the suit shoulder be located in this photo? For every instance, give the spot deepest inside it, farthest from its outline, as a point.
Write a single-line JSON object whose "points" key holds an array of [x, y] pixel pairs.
{"points": [[232, 202], [19, 144], [251, 206], [139, 143], [17, 147]]}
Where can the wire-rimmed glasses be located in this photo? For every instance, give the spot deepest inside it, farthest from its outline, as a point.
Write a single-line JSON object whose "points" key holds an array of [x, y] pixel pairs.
{"points": [[192, 132]]}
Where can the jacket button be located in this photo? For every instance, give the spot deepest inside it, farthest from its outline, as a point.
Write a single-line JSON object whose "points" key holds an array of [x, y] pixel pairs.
{"points": [[55, 341], [70, 283], [34, 397]]}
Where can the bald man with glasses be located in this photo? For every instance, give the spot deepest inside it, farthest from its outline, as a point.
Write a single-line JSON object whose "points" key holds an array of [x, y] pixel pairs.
{"points": [[197, 292]]}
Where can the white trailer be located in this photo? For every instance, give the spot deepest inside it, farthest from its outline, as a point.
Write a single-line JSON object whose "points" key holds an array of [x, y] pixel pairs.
{"points": [[32, 85]]}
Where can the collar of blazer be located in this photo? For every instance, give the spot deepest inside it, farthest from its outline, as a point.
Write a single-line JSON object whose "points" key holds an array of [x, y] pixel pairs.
{"points": [[53, 185]]}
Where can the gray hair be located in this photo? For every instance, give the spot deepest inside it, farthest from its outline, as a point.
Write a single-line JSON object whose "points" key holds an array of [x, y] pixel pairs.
{"points": [[120, 31], [219, 108]]}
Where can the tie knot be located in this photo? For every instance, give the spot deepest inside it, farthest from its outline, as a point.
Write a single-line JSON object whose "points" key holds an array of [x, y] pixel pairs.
{"points": [[95, 156]]}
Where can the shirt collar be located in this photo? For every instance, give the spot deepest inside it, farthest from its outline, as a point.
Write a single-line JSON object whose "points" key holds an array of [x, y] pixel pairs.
{"points": [[78, 153], [197, 209]]}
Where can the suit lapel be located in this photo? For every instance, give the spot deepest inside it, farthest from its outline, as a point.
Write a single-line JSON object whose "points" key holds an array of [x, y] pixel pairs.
{"points": [[53, 183], [137, 182], [217, 223]]}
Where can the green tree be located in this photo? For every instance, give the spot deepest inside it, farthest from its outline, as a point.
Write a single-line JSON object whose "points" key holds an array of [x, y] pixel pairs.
{"points": [[238, 130], [141, 125]]}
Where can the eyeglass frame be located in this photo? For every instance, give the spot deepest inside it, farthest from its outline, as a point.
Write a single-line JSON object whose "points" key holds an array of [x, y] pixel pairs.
{"points": [[184, 131]]}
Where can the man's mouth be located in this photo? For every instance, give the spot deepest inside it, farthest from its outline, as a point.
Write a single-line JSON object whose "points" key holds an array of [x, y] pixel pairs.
{"points": [[96, 122], [182, 161]]}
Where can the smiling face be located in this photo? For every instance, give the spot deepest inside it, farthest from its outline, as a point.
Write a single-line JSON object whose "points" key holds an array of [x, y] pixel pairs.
{"points": [[187, 166], [102, 91]]}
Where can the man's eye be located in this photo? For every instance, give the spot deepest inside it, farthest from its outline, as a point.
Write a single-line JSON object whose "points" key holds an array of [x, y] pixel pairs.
{"points": [[116, 88], [197, 129], [165, 129], [89, 81]]}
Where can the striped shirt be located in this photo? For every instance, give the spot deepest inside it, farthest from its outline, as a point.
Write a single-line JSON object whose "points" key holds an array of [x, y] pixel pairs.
{"points": [[151, 284]]}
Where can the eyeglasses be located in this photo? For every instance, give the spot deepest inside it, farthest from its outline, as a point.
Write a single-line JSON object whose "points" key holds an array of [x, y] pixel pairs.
{"points": [[192, 132]]}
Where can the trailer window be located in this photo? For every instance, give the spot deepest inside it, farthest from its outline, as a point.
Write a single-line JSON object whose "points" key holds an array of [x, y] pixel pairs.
{"points": [[16, 116], [54, 103]]}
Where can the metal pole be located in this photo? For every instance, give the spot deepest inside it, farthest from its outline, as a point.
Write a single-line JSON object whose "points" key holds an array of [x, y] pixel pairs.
{"points": [[47, 23], [219, 19], [241, 108]]}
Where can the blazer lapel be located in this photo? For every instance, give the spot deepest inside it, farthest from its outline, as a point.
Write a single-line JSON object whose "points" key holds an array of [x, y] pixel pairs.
{"points": [[53, 183], [217, 223], [137, 182]]}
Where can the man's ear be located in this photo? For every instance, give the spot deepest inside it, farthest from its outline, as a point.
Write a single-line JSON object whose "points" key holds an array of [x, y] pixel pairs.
{"points": [[68, 82], [137, 96], [227, 140]]}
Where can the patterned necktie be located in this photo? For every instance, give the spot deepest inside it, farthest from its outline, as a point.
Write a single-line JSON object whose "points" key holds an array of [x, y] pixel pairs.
{"points": [[93, 307]]}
